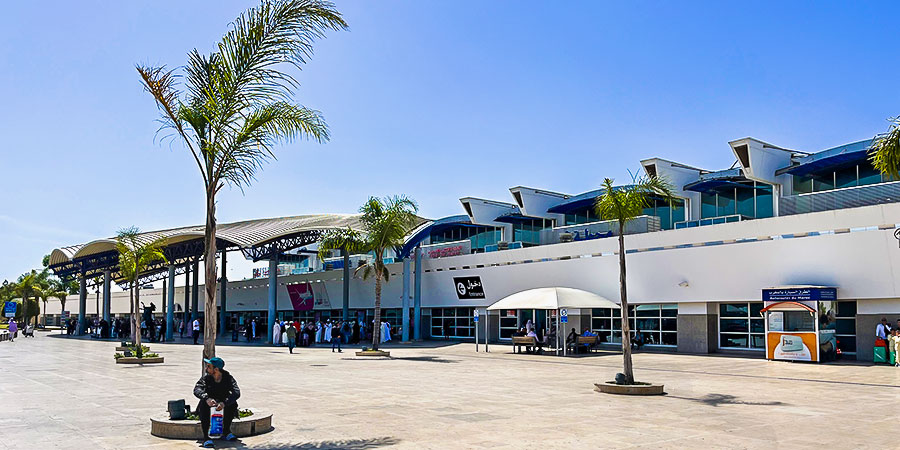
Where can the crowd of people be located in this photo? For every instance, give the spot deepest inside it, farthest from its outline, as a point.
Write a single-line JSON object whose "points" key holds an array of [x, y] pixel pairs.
{"points": [[306, 334]]}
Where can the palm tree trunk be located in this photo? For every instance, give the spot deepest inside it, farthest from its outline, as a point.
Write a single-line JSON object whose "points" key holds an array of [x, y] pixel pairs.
{"points": [[209, 263], [623, 293], [135, 323], [376, 326]]}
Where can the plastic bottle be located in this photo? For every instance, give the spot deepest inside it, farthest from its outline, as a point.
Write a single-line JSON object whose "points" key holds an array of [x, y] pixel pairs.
{"points": [[216, 424]]}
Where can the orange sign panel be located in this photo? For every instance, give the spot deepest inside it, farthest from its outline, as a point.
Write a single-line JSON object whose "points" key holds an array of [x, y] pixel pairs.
{"points": [[792, 346]]}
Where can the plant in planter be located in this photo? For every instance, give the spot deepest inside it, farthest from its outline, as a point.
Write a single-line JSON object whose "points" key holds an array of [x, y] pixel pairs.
{"points": [[135, 256]]}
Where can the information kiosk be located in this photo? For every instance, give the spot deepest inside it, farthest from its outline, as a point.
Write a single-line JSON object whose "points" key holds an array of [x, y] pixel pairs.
{"points": [[800, 323]]}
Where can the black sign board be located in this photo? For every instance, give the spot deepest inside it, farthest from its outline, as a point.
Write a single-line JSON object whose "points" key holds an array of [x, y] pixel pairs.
{"points": [[468, 287]]}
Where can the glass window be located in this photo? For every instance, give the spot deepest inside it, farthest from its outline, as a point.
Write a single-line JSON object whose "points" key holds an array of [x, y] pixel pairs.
{"points": [[726, 203], [868, 174], [803, 184], [799, 321], [734, 309], [678, 211], [823, 181], [708, 204], [845, 177], [746, 202], [648, 318], [741, 326], [764, 199], [664, 212]]}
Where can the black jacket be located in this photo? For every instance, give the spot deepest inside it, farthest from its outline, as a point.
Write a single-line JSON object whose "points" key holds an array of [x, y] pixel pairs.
{"points": [[225, 391]]}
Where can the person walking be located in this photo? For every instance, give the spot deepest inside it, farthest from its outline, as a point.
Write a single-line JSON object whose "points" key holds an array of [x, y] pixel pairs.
{"points": [[291, 338], [196, 330], [336, 335], [217, 389], [276, 334], [13, 330]]}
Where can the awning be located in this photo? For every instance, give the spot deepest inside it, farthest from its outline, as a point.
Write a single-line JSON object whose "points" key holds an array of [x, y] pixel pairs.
{"points": [[788, 306], [553, 298]]}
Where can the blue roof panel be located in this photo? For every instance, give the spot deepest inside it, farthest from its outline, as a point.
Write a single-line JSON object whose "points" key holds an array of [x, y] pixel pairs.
{"points": [[829, 159]]}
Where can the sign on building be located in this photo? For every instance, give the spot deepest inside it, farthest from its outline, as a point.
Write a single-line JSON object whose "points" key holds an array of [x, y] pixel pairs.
{"points": [[468, 288], [9, 309]]}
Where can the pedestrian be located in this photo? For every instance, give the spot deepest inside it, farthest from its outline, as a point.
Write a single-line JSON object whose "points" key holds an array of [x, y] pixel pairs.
{"points": [[217, 389], [181, 328], [13, 330], [253, 329], [276, 334], [336, 336], [196, 330], [895, 346], [291, 338]]}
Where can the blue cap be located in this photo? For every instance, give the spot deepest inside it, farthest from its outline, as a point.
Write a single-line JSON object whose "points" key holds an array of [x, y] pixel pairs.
{"points": [[216, 362]]}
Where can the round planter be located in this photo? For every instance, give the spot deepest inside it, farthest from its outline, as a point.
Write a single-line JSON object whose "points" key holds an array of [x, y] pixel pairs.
{"points": [[133, 360], [161, 426], [373, 353], [610, 387]]}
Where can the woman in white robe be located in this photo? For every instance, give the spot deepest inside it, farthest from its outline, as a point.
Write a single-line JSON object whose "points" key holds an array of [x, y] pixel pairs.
{"points": [[319, 332], [385, 332], [276, 334], [328, 332]]}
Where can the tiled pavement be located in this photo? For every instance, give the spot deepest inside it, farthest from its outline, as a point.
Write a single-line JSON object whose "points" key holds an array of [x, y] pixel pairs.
{"points": [[57, 392]]}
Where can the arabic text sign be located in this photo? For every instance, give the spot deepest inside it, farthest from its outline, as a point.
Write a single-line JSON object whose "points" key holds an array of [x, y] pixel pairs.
{"points": [[799, 294], [468, 287]]}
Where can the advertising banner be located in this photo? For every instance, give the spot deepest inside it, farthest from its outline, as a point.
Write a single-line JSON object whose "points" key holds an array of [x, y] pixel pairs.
{"points": [[302, 296], [457, 248], [468, 288], [792, 346]]}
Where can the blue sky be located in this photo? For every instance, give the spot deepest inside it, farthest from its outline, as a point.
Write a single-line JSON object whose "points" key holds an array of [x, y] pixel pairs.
{"points": [[434, 99]]}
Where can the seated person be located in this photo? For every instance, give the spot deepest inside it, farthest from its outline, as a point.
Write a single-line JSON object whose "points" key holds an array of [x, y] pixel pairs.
{"points": [[531, 333], [217, 389], [572, 339], [638, 340], [519, 333], [588, 332]]}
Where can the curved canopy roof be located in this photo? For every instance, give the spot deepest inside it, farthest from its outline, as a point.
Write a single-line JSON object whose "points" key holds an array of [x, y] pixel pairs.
{"points": [[830, 159], [243, 235], [553, 298]]}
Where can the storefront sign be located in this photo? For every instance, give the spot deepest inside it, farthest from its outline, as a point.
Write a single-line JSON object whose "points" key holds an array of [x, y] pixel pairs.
{"points": [[792, 347], [799, 294], [449, 249], [468, 288], [9, 309]]}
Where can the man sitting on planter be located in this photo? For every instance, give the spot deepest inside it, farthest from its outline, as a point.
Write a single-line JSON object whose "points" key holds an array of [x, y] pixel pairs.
{"points": [[217, 389]]}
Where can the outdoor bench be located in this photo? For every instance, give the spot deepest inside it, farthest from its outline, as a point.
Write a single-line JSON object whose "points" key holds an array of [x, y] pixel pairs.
{"points": [[527, 341]]}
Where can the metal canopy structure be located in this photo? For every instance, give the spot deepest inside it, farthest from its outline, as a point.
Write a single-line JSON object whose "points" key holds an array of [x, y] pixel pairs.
{"points": [[257, 239]]}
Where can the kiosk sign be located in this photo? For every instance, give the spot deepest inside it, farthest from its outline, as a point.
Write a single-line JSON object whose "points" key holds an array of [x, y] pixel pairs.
{"points": [[799, 294], [9, 309]]}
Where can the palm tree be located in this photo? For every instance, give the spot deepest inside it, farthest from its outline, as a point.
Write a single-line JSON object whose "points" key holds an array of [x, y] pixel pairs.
{"points": [[622, 204], [27, 287], [237, 106], [386, 222], [54, 288], [136, 254], [885, 151]]}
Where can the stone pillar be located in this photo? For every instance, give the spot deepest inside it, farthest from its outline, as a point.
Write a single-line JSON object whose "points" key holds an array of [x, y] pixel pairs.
{"points": [[346, 295], [106, 295], [273, 295], [223, 288], [697, 328], [417, 297], [170, 303], [82, 305], [404, 301], [195, 293]]}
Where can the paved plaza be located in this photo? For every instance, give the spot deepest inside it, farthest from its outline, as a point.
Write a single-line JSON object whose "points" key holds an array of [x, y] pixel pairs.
{"points": [[59, 392]]}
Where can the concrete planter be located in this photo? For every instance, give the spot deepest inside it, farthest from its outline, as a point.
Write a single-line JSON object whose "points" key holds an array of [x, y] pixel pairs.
{"points": [[133, 360], [373, 353], [610, 387], [122, 349], [161, 426]]}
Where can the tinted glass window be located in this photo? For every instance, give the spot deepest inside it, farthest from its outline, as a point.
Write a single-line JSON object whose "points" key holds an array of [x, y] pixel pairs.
{"points": [[764, 207]]}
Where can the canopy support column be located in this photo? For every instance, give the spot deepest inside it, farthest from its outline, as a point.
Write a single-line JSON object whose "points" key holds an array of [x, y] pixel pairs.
{"points": [[273, 296], [404, 301], [170, 303], [417, 296], [187, 296], [82, 305], [106, 295], [346, 294]]}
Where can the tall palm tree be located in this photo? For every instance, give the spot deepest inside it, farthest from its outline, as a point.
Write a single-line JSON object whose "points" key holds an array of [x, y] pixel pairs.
{"points": [[387, 222], [52, 289], [27, 287], [622, 204], [237, 106], [60, 291], [885, 151], [136, 254]]}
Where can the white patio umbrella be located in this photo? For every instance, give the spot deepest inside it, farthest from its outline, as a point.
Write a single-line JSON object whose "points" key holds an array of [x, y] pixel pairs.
{"points": [[553, 298]]}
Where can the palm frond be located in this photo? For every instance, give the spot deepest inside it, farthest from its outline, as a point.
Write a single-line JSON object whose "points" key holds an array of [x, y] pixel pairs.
{"points": [[885, 151], [623, 203]]}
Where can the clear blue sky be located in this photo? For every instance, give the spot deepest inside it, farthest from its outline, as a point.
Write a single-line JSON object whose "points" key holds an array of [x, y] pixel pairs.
{"points": [[434, 99]]}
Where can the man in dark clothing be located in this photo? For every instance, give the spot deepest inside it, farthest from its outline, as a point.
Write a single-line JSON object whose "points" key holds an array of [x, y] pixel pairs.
{"points": [[217, 389], [336, 339]]}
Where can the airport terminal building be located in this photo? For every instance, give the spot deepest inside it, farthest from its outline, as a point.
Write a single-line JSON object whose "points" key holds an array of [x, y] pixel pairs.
{"points": [[703, 271]]}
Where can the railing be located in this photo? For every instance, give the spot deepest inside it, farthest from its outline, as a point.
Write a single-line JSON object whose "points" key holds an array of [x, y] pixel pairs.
{"points": [[710, 221], [496, 247], [852, 197]]}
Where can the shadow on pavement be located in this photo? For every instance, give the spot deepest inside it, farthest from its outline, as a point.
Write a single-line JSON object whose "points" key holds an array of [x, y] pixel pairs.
{"points": [[715, 400], [349, 444], [427, 359]]}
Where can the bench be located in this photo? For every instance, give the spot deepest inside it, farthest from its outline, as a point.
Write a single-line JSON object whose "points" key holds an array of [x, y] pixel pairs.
{"points": [[527, 341], [590, 341]]}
